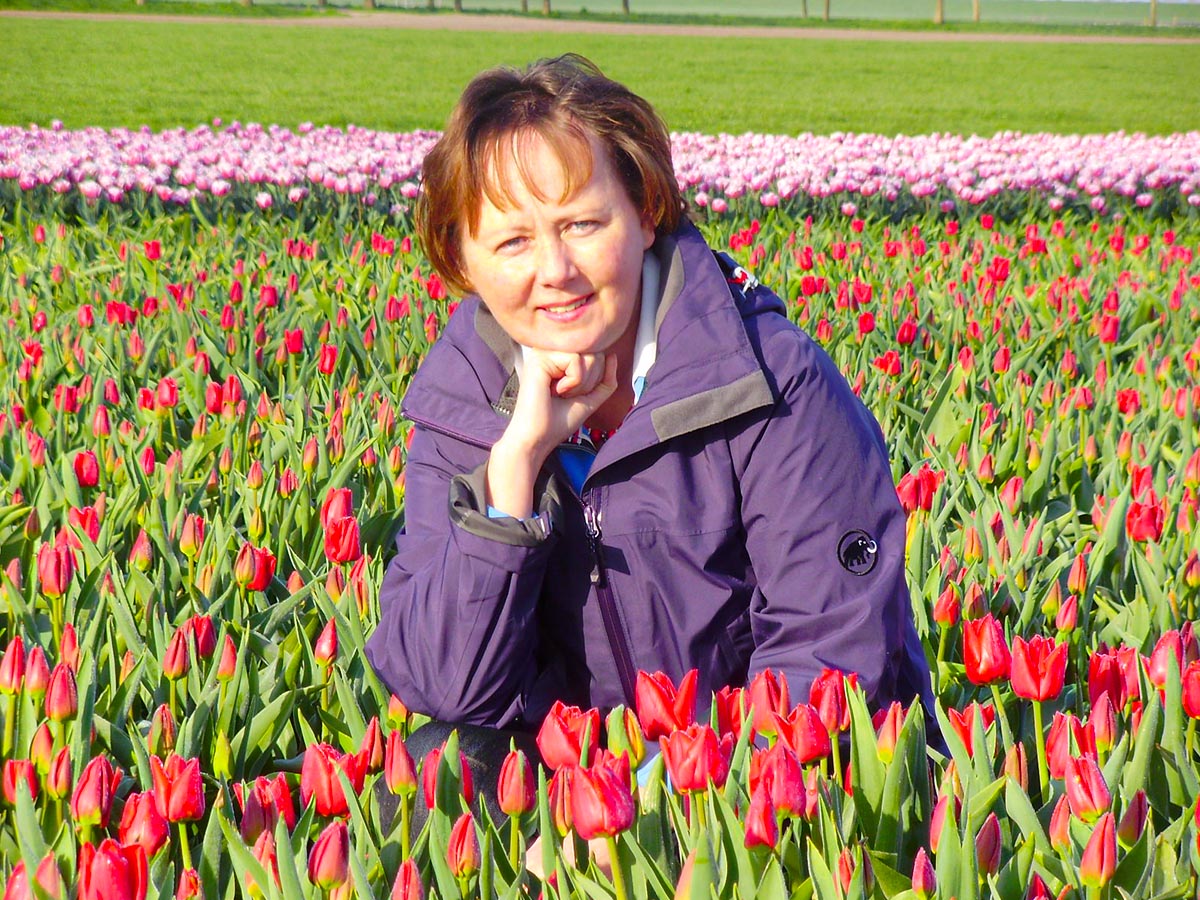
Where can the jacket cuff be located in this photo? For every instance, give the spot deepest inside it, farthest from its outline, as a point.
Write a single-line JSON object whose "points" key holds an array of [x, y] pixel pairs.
{"points": [[469, 511]]}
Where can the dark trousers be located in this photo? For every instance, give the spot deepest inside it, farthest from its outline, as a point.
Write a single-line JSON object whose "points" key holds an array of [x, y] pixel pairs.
{"points": [[484, 749]]}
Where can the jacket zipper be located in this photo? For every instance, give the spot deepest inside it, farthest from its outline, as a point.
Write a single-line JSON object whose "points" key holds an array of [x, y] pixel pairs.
{"points": [[608, 604]]}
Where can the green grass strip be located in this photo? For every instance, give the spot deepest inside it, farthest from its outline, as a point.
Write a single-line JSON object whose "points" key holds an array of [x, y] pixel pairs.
{"points": [[130, 72]]}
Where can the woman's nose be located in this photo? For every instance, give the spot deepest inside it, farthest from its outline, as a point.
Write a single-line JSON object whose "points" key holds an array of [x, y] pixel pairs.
{"points": [[554, 261]]}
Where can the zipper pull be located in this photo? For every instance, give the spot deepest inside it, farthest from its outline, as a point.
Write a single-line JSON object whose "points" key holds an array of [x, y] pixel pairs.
{"points": [[592, 521]]}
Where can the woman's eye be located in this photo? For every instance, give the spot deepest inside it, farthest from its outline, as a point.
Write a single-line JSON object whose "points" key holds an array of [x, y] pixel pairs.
{"points": [[513, 243], [584, 225]]}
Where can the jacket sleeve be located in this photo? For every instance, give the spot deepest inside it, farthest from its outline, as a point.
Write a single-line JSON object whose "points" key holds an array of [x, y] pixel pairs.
{"points": [[825, 533], [457, 638]]}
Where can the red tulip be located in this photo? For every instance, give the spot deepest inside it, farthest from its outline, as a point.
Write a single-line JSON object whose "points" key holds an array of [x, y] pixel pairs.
{"points": [[178, 788], [47, 877], [264, 802], [762, 830], [37, 672], [1168, 653], [1191, 690], [266, 852], [803, 733], [429, 776], [1064, 728], [87, 468], [327, 359], [767, 697], [1039, 667], [1116, 672], [371, 749], [984, 651], [68, 648], [142, 824], [1144, 521], [1060, 826], [326, 648], [227, 665], [516, 789], [988, 845], [91, 801], [948, 608], [62, 694], [462, 854], [41, 748], [601, 801], [319, 781], [1133, 820], [175, 661], [937, 821], [254, 568], [58, 778], [663, 708], [1103, 722], [55, 568], [777, 771], [12, 666], [407, 885], [695, 758], [191, 536], [562, 735], [189, 885], [1087, 791], [112, 872], [399, 770], [888, 723], [732, 704], [828, 696], [329, 860], [1099, 860], [924, 880], [161, 739], [16, 772], [342, 544], [558, 797], [200, 628]]}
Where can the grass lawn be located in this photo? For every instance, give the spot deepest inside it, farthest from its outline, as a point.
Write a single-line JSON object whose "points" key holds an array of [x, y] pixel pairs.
{"points": [[129, 72]]}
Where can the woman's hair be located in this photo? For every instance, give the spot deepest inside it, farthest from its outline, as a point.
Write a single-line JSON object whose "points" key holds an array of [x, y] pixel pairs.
{"points": [[563, 101]]}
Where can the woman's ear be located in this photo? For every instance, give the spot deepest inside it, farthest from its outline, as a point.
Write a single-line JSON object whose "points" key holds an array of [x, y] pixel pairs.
{"points": [[648, 231]]}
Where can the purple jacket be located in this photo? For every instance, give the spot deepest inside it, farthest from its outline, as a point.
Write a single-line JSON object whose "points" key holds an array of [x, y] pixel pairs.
{"points": [[742, 517]]}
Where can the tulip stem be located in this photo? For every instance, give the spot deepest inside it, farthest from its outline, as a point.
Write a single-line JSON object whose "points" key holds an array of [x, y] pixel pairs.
{"points": [[836, 747], [1040, 737], [10, 722], [1191, 739], [184, 849], [514, 840], [618, 870], [943, 642], [405, 827]]}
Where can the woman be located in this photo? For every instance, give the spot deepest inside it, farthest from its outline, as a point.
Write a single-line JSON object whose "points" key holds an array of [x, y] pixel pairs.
{"points": [[625, 456]]}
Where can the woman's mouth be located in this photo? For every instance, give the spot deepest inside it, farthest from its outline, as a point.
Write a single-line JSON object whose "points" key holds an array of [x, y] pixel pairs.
{"points": [[566, 311]]}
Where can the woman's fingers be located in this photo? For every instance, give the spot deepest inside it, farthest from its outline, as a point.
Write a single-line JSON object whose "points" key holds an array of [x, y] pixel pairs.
{"points": [[581, 372]]}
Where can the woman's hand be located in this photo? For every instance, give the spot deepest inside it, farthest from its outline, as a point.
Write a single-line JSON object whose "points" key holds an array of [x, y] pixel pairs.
{"points": [[558, 392]]}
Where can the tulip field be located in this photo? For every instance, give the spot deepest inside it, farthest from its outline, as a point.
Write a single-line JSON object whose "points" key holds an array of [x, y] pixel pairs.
{"points": [[207, 336]]}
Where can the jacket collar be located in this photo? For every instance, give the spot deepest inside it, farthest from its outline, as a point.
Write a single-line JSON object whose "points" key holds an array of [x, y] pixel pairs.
{"points": [[706, 369]]}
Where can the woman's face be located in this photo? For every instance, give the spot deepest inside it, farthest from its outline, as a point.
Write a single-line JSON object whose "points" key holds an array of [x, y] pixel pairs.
{"points": [[559, 274]]}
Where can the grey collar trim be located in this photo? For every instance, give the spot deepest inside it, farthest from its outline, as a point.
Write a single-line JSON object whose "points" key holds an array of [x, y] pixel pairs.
{"points": [[747, 393]]}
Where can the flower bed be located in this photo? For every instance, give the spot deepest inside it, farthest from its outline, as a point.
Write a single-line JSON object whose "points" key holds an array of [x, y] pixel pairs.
{"points": [[201, 466]]}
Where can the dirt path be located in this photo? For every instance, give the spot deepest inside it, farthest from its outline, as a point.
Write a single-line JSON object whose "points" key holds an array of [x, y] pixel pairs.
{"points": [[481, 22]]}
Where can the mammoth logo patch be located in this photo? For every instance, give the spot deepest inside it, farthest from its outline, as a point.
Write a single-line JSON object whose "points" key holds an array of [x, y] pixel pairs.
{"points": [[857, 552]]}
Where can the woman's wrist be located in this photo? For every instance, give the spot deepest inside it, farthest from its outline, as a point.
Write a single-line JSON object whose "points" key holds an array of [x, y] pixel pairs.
{"points": [[511, 474]]}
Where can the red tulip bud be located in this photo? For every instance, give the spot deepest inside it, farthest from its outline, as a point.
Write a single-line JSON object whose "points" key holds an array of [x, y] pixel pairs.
{"points": [[189, 885], [399, 770], [1099, 860], [924, 881], [1087, 792], [112, 871], [47, 877], [988, 845], [516, 790], [19, 774], [762, 829], [559, 798], [141, 824], [601, 801], [12, 666], [1060, 826], [58, 778], [1133, 820], [462, 854], [178, 788], [227, 665], [408, 882], [326, 648], [329, 860], [175, 662], [661, 707], [62, 694]]}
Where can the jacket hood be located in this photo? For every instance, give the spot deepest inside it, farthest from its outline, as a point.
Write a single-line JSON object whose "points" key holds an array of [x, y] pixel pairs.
{"points": [[706, 368]]}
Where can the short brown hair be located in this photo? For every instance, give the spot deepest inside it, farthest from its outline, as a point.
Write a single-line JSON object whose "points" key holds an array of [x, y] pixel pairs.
{"points": [[562, 101]]}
